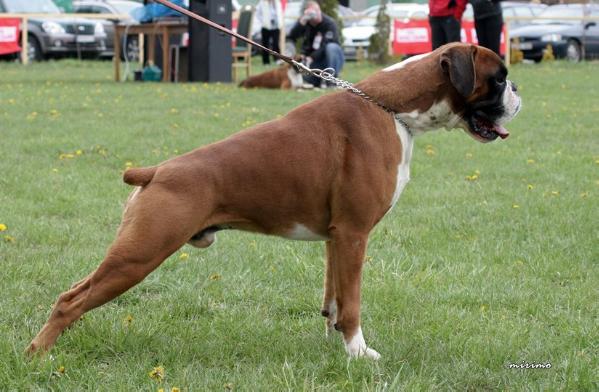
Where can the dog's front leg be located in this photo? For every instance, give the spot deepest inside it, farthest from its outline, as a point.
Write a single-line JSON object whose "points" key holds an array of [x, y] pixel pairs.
{"points": [[348, 250], [329, 302]]}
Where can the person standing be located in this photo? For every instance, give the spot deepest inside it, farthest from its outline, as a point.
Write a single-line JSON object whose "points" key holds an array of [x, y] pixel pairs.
{"points": [[320, 47], [488, 22], [445, 18], [269, 14]]}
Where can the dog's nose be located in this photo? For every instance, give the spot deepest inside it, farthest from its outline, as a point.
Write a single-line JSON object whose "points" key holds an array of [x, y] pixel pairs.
{"points": [[514, 87]]}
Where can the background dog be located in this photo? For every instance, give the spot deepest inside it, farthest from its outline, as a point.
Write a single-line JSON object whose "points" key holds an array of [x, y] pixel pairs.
{"points": [[284, 77]]}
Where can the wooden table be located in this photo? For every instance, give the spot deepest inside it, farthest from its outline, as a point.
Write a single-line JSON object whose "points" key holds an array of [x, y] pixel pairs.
{"points": [[164, 28]]}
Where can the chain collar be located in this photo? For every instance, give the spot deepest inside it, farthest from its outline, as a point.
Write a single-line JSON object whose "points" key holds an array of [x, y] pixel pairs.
{"points": [[327, 75]]}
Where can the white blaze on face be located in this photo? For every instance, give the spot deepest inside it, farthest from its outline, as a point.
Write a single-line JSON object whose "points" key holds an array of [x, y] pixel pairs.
{"points": [[402, 64], [511, 104]]}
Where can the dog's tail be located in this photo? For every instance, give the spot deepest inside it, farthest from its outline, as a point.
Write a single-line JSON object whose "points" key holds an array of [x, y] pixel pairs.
{"points": [[139, 176]]}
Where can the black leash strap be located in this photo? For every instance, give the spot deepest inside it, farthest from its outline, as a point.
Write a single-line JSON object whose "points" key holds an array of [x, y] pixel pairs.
{"points": [[324, 74]]}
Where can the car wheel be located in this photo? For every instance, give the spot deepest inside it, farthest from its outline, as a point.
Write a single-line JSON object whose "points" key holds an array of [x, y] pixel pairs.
{"points": [[131, 45], [573, 51], [34, 49]]}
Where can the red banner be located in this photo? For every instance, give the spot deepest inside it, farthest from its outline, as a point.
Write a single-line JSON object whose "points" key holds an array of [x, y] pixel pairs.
{"points": [[414, 36], [9, 35]]}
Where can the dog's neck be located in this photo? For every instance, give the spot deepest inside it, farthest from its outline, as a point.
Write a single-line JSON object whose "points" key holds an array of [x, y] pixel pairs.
{"points": [[412, 89]]}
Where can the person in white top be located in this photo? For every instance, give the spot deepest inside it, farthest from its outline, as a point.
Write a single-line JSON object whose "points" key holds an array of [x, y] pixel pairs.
{"points": [[269, 14]]}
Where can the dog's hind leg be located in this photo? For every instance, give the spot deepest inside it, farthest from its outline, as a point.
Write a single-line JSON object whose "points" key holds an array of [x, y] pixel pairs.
{"points": [[149, 234], [349, 250]]}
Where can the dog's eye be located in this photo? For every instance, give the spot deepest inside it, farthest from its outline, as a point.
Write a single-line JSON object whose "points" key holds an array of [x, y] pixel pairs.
{"points": [[500, 79]]}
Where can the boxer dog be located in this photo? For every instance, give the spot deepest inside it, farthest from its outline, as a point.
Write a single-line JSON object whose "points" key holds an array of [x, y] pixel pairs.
{"points": [[327, 171], [283, 77]]}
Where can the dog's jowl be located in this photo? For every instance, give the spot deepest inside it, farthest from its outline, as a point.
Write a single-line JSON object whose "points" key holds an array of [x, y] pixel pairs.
{"points": [[327, 171]]}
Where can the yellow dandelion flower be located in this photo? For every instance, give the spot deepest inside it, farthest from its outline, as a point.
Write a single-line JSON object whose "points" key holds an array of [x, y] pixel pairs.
{"points": [[515, 206], [3, 227], [483, 308], [530, 187], [215, 277], [64, 156], [554, 193], [55, 170], [128, 164], [61, 369], [184, 256], [175, 389], [79, 152], [157, 373], [160, 389], [127, 320], [473, 177]]}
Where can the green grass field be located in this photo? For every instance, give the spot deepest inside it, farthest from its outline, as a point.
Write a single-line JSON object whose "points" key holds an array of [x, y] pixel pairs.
{"points": [[489, 258]]}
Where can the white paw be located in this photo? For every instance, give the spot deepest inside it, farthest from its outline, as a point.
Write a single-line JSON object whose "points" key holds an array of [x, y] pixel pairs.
{"points": [[356, 347]]}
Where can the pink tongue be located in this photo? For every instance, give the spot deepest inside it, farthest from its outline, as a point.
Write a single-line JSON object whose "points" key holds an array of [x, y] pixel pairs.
{"points": [[501, 131]]}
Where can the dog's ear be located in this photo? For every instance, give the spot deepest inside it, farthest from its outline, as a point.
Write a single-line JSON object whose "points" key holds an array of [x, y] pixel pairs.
{"points": [[457, 63]]}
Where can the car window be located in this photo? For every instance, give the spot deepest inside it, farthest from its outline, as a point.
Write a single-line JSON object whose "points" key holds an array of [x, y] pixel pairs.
{"points": [[522, 11], [98, 9], [83, 9]]}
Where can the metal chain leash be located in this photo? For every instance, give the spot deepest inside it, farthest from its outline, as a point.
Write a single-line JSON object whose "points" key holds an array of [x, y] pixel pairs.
{"points": [[328, 75]]}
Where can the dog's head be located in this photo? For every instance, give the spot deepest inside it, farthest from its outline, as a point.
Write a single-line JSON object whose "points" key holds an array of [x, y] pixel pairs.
{"points": [[479, 90]]}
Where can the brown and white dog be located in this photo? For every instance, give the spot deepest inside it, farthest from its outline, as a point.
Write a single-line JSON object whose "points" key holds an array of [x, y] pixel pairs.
{"points": [[327, 171], [283, 77]]}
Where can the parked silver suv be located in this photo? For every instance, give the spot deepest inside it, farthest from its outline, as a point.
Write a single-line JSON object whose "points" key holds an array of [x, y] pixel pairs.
{"points": [[110, 8], [57, 36]]}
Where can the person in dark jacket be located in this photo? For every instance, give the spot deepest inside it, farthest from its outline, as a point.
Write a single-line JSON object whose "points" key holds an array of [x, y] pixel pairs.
{"points": [[445, 18], [488, 21], [320, 48]]}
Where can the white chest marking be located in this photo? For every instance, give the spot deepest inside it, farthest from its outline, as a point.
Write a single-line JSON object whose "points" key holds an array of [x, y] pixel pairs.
{"points": [[402, 64], [302, 233], [403, 170]]}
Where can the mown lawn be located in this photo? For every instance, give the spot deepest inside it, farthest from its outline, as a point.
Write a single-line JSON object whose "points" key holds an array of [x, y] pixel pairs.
{"points": [[490, 257]]}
